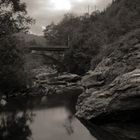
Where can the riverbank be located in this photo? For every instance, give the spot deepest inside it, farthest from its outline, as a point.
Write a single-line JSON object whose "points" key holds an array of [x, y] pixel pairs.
{"points": [[47, 82]]}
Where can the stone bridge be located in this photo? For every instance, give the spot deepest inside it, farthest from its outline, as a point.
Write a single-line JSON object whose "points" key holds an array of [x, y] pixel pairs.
{"points": [[56, 53]]}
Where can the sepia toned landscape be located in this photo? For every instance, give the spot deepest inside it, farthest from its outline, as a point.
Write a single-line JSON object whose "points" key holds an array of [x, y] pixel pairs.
{"points": [[69, 70]]}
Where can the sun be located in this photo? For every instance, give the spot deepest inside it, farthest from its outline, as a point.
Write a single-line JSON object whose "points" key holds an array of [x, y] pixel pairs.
{"points": [[61, 5], [43, 27], [87, 1], [80, 0]]}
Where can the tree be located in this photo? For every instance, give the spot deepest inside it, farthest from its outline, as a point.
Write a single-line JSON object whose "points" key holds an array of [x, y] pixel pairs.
{"points": [[13, 19], [76, 62], [12, 73], [88, 33], [15, 127], [57, 34]]}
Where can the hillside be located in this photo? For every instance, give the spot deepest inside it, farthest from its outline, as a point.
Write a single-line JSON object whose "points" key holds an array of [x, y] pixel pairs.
{"points": [[89, 34], [112, 86]]}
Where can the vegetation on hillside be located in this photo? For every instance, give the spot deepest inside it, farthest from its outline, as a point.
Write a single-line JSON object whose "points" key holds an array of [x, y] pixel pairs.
{"points": [[89, 34]]}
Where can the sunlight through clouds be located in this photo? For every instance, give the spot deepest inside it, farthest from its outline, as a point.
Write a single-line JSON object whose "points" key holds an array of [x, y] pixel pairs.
{"points": [[87, 1], [43, 27], [61, 4], [67, 5], [47, 11], [80, 0]]}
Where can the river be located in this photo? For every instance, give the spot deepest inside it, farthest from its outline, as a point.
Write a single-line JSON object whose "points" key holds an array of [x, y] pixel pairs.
{"points": [[51, 118], [41, 118]]}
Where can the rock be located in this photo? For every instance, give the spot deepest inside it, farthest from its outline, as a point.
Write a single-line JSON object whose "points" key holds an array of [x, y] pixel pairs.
{"points": [[71, 91], [43, 69], [3, 102], [69, 78], [93, 80], [123, 94], [45, 76], [44, 99], [113, 87], [49, 83], [57, 83], [124, 57]]}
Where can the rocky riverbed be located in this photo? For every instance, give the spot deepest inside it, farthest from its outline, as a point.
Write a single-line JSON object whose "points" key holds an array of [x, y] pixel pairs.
{"points": [[52, 83], [47, 82], [107, 95]]}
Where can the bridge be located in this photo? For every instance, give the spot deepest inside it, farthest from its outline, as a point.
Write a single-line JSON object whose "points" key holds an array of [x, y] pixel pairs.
{"points": [[53, 53], [50, 49]]}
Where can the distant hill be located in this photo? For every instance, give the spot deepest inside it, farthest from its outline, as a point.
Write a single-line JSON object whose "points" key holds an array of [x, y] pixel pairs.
{"points": [[31, 40]]}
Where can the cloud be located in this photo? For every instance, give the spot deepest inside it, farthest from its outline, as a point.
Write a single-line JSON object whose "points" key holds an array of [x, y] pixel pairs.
{"points": [[63, 5], [47, 11]]}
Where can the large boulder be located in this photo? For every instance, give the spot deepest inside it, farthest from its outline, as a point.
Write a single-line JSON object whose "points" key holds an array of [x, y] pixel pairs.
{"points": [[123, 94], [113, 87]]}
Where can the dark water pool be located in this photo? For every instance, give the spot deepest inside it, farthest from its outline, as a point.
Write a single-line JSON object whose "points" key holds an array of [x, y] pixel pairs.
{"points": [[41, 118]]}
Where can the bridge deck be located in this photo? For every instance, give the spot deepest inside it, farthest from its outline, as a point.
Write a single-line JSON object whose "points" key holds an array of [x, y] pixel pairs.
{"points": [[57, 49]]}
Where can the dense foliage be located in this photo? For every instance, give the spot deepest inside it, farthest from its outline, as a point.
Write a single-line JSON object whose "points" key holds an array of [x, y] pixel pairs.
{"points": [[87, 33], [13, 19], [12, 73]]}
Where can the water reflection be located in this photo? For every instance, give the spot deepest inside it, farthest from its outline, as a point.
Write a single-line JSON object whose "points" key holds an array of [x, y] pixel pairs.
{"points": [[42, 118], [37, 119], [68, 125], [58, 123], [99, 132], [15, 126]]}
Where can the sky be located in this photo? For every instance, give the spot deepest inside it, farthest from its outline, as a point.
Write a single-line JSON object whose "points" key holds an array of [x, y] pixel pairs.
{"points": [[47, 11]]}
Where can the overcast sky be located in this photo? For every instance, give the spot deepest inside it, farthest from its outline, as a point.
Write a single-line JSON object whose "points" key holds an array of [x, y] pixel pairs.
{"points": [[47, 11]]}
